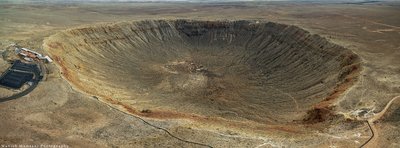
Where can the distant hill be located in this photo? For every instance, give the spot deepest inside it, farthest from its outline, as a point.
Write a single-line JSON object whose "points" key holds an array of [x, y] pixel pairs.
{"points": [[194, 1]]}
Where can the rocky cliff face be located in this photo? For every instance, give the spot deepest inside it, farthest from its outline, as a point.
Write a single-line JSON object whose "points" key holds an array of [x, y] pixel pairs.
{"points": [[230, 70]]}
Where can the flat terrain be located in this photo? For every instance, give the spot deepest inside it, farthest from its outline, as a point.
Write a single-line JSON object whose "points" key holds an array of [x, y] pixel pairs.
{"points": [[59, 113]]}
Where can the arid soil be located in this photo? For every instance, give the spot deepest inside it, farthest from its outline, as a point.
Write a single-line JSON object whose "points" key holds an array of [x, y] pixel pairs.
{"points": [[81, 102]]}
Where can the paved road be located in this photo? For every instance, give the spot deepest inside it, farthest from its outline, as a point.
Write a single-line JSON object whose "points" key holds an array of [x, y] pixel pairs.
{"points": [[373, 141], [21, 94], [26, 91]]}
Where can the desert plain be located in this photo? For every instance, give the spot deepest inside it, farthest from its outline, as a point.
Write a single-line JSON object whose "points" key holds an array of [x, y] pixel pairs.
{"points": [[210, 74]]}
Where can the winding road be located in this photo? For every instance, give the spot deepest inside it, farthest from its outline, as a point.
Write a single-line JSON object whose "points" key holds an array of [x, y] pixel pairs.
{"points": [[373, 141]]}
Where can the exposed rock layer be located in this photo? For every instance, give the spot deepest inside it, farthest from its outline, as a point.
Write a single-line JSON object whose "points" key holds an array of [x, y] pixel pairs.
{"points": [[236, 70]]}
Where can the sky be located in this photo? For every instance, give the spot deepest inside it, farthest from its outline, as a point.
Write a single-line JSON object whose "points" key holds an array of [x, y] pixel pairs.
{"points": [[186, 0], [203, 0], [232, 0]]}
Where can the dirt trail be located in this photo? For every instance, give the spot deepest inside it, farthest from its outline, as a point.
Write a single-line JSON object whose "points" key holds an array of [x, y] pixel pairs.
{"points": [[373, 142], [380, 114], [371, 21]]}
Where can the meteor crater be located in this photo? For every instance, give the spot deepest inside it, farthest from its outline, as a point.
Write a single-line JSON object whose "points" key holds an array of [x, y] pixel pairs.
{"points": [[242, 70]]}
